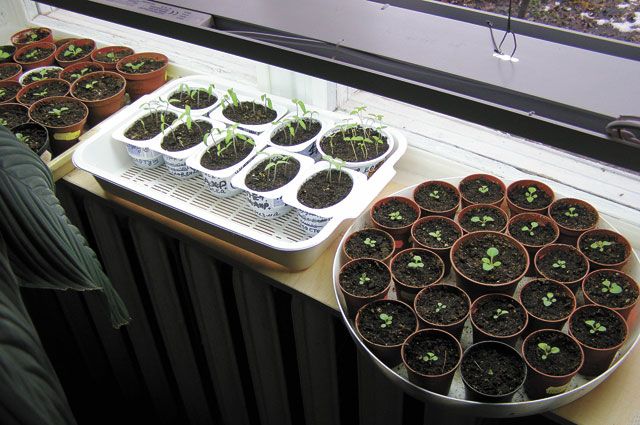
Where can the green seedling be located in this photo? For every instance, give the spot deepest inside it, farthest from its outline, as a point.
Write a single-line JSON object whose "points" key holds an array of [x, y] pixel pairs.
{"points": [[435, 194], [571, 213], [3, 121], [395, 216], [371, 243], [91, 85], [599, 245], [41, 75], [4, 55], [157, 109], [439, 307], [231, 137], [334, 163], [530, 227], [234, 97], [72, 51], [22, 138], [547, 350], [429, 357], [559, 264], [437, 235], [111, 56], [363, 279], [483, 221], [32, 54], [483, 189], [135, 66], [80, 73], [2, 92], [487, 263], [611, 287], [387, 320], [595, 326], [58, 112], [548, 299], [266, 102], [41, 93], [276, 160], [499, 313], [416, 262], [33, 36], [531, 194]]}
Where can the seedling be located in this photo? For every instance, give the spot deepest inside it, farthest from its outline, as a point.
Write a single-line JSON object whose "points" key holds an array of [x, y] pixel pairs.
{"points": [[531, 194], [434, 194], [2, 92], [559, 264], [548, 299], [41, 75], [429, 357], [22, 138], [387, 320], [33, 36], [111, 56], [134, 66], [58, 112], [91, 85], [41, 93], [188, 120], [158, 109], [371, 243], [230, 139], [336, 163], [599, 245], [72, 51], [3, 121], [266, 102], [416, 262], [439, 307], [274, 161], [547, 350], [231, 95], [595, 326], [611, 287], [530, 227], [499, 313], [483, 221], [295, 122], [363, 279], [79, 73], [483, 189], [395, 216], [571, 213], [487, 263], [191, 93], [4, 55], [437, 234], [32, 54]]}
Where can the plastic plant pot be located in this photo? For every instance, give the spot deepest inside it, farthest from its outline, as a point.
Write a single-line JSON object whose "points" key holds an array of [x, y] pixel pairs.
{"points": [[109, 56], [395, 215], [548, 294], [61, 87], [13, 114], [27, 63], [8, 91], [612, 289], [414, 269], [483, 311], [529, 234], [141, 83], [363, 281], [6, 53], [524, 189], [11, 71], [435, 191], [451, 298], [31, 35], [605, 249], [101, 108], [483, 194], [482, 217], [437, 234], [369, 243], [79, 69], [65, 56], [573, 217], [29, 129], [38, 74], [307, 147], [62, 136], [558, 270]]}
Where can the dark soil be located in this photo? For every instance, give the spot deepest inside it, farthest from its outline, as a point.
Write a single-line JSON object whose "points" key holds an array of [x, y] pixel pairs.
{"points": [[562, 363], [424, 233], [365, 278], [534, 296], [468, 259], [486, 316], [354, 151], [149, 65], [8, 92], [73, 115], [444, 348], [79, 73], [7, 50], [403, 323], [8, 71], [27, 36], [98, 88], [325, 188], [227, 158], [543, 234], [116, 55], [34, 136], [382, 245], [283, 137], [48, 89], [442, 305], [83, 51], [624, 293], [44, 74], [384, 212], [181, 138], [263, 181], [249, 113], [13, 115], [483, 218], [612, 335], [39, 53], [575, 266], [149, 126], [493, 370], [518, 195], [444, 200], [417, 276], [585, 218], [195, 99], [481, 191], [611, 254]]}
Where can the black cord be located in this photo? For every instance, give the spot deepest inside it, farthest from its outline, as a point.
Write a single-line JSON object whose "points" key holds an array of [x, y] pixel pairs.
{"points": [[497, 47]]}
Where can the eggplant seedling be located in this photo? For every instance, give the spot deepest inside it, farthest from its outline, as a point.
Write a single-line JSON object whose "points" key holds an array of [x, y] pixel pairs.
{"points": [[530, 195], [530, 227], [499, 313], [91, 85], [23, 138], [371, 243], [387, 320], [439, 307], [437, 235], [32, 54], [487, 263], [611, 287], [483, 189], [58, 112], [72, 51], [429, 357], [571, 212], [547, 350], [41, 93], [4, 55], [595, 326], [483, 221], [600, 245], [79, 74], [395, 216], [135, 66], [416, 262], [435, 194], [363, 278], [548, 299], [40, 75], [559, 264]]}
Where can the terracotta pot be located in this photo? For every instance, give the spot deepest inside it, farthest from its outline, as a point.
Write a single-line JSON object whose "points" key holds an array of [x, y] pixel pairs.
{"points": [[110, 66], [355, 302], [65, 61], [18, 71], [399, 234], [539, 384], [47, 61], [406, 292], [570, 235], [103, 108], [62, 41], [22, 127], [13, 108], [36, 85], [141, 84], [480, 334], [542, 220], [522, 185], [25, 79], [62, 138], [381, 233], [466, 202], [588, 297], [454, 328], [536, 323], [597, 360], [9, 85], [475, 288], [471, 208], [448, 213], [7, 49], [595, 265], [15, 38], [437, 383], [76, 69], [574, 285], [443, 253]]}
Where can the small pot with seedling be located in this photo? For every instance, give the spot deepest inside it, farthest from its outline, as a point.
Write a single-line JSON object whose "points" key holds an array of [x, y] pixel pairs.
{"points": [[431, 357], [39, 74], [482, 189], [437, 234], [13, 114], [548, 303], [443, 307], [74, 51], [35, 137], [529, 196], [369, 243], [64, 117], [488, 262], [384, 326], [42, 90], [144, 72], [479, 217], [80, 69], [413, 269], [573, 217], [36, 55], [6, 53], [498, 317], [553, 359], [562, 263], [437, 198], [109, 56], [492, 372], [265, 179], [362, 281], [102, 92], [10, 71], [199, 97], [605, 249], [601, 332], [253, 115], [8, 91], [31, 35], [395, 215], [533, 231], [611, 288], [297, 132]]}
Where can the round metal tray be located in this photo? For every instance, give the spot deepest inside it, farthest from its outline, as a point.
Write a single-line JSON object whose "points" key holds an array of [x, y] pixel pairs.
{"points": [[521, 404]]}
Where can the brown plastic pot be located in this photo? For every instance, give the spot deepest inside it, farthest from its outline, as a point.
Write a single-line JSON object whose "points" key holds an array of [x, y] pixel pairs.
{"points": [[454, 328], [523, 184], [594, 265], [15, 107], [47, 61], [77, 68], [448, 213], [537, 323], [80, 42], [474, 288], [141, 84], [574, 285], [623, 311], [9, 49], [443, 253], [437, 383], [38, 71], [406, 292], [16, 75], [380, 232], [22, 127], [110, 66], [466, 202], [480, 335], [9, 85], [597, 360], [62, 41], [103, 108], [62, 138], [469, 209], [16, 38], [34, 86], [355, 302], [399, 234], [539, 384], [570, 235], [542, 220]]}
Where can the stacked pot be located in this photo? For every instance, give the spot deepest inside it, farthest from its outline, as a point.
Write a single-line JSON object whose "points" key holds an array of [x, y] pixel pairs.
{"points": [[543, 291]]}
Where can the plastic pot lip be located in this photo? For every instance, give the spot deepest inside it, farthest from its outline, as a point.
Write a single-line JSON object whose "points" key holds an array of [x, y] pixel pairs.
{"points": [[135, 56], [386, 199], [29, 124], [34, 70], [361, 260], [489, 177], [549, 247], [7, 47], [618, 236], [35, 84], [537, 217], [431, 287], [525, 182], [474, 307], [79, 41], [115, 75], [60, 99], [564, 288], [616, 309], [441, 183], [357, 322], [107, 49], [423, 331], [8, 64], [369, 229], [79, 65], [615, 347], [523, 250], [585, 204], [42, 44], [499, 210], [571, 337], [16, 35], [424, 219], [426, 251]]}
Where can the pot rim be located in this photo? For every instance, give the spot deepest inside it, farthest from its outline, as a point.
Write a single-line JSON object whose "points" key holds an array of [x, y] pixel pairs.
{"points": [[621, 239], [564, 288], [75, 66], [362, 260], [431, 330], [156, 56], [427, 251], [565, 247], [448, 286], [539, 184], [426, 218], [474, 307], [485, 176], [35, 84], [629, 279], [106, 99], [613, 348], [403, 199], [62, 48], [37, 44], [370, 229], [573, 339], [441, 183], [357, 326], [95, 52], [577, 201], [538, 217], [468, 208], [18, 33], [60, 98]]}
